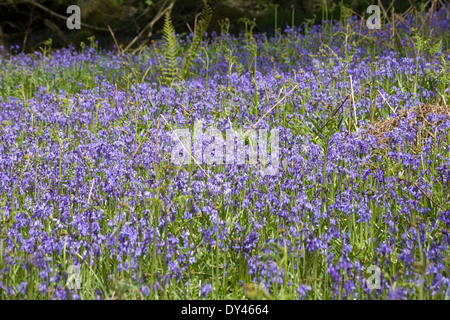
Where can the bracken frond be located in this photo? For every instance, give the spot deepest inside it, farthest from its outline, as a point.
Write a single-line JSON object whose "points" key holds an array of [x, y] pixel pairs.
{"points": [[205, 19], [169, 53]]}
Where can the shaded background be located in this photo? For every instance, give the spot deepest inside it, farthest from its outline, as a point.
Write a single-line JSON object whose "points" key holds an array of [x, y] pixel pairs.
{"points": [[29, 26]]}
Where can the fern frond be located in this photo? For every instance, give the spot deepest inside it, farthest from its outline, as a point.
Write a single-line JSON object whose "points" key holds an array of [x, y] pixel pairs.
{"points": [[169, 54], [200, 29], [436, 48]]}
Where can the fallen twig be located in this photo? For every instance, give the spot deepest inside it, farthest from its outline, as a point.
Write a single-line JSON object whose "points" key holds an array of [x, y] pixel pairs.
{"points": [[393, 110], [333, 114], [193, 158], [142, 142], [115, 40], [90, 191], [276, 104], [443, 99], [425, 194]]}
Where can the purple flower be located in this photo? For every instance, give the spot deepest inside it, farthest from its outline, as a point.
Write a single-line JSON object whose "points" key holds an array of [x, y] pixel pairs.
{"points": [[22, 287], [303, 290], [206, 290], [75, 296], [43, 288], [145, 290]]}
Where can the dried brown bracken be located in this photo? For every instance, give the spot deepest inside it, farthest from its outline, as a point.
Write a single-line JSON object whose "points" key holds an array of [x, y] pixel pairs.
{"points": [[420, 113]]}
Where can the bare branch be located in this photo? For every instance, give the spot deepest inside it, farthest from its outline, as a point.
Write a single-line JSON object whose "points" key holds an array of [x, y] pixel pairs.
{"points": [[150, 25], [58, 31], [44, 8]]}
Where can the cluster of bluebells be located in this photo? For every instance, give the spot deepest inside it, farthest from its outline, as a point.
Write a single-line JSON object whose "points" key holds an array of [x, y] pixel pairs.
{"points": [[86, 177]]}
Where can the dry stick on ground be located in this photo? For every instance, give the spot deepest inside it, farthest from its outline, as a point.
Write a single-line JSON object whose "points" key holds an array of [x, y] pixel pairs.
{"points": [[401, 17], [393, 25], [90, 191], [412, 5], [425, 194], [370, 31], [276, 104], [150, 25], [443, 99], [385, 15], [142, 142], [184, 108], [390, 5], [360, 26], [429, 123], [145, 74], [140, 48], [333, 114], [430, 14], [27, 31], [367, 36], [445, 104], [193, 158], [189, 27], [355, 13], [446, 10], [195, 20], [156, 148], [393, 110], [115, 40], [362, 91]]}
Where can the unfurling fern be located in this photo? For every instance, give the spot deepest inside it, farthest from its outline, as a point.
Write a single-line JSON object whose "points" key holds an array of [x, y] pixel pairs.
{"points": [[200, 29], [169, 53], [169, 63]]}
